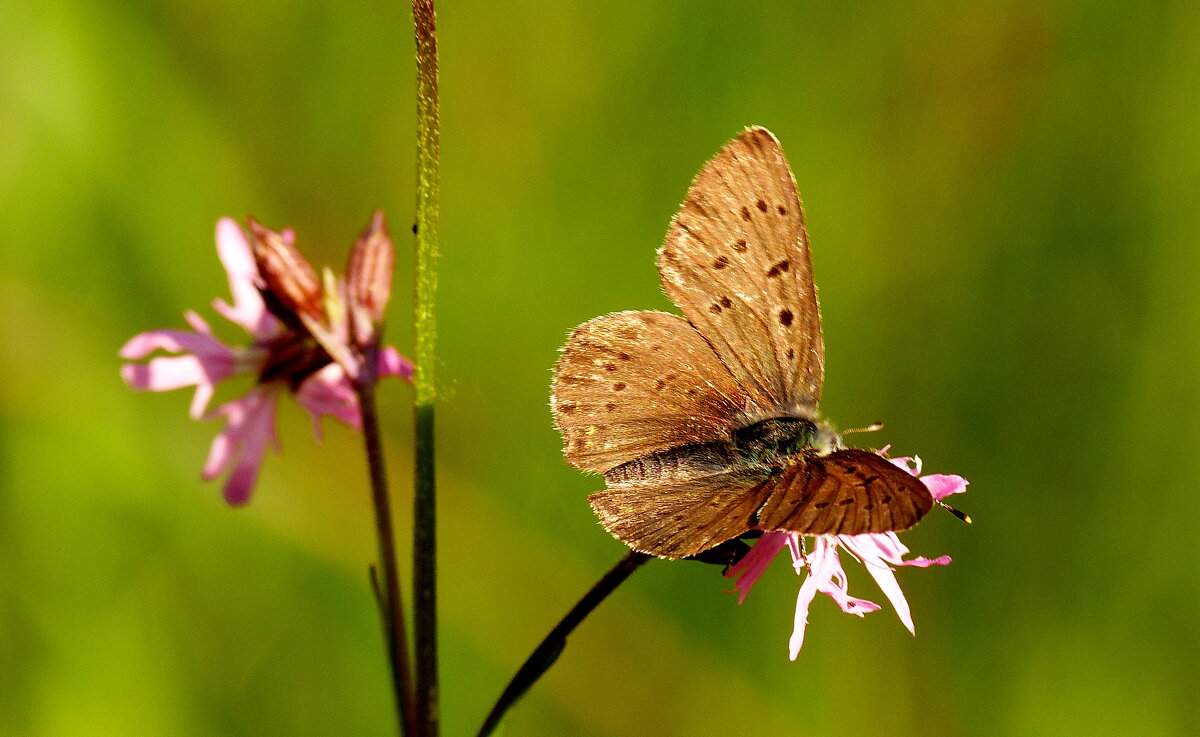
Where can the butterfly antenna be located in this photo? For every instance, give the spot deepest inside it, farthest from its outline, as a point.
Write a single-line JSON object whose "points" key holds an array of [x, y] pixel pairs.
{"points": [[956, 512], [873, 427]]}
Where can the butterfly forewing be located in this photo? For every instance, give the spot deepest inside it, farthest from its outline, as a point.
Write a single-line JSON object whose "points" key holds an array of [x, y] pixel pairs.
{"points": [[849, 492], [736, 261], [678, 518], [633, 383]]}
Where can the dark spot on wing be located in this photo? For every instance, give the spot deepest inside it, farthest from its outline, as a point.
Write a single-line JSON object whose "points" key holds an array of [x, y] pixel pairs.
{"points": [[726, 302], [785, 317], [739, 245], [567, 408], [781, 210], [762, 206], [745, 213], [720, 262], [779, 268], [610, 367], [619, 386], [610, 406], [660, 385]]}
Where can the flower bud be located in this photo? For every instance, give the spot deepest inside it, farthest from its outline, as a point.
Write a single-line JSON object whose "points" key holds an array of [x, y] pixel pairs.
{"points": [[289, 280], [369, 279]]}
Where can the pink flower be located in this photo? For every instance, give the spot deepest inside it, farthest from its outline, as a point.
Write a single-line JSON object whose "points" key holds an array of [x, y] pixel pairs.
{"points": [[878, 552], [280, 357]]}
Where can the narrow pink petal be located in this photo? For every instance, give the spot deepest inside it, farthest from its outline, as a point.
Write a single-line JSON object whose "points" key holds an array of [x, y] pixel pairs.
{"points": [[171, 341], [249, 430], [259, 435], [391, 363], [910, 464], [883, 545], [943, 485], [752, 565], [884, 577], [328, 392], [820, 562], [837, 587], [943, 560], [808, 590], [204, 394], [220, 453], [248, 309], [174, 372]]}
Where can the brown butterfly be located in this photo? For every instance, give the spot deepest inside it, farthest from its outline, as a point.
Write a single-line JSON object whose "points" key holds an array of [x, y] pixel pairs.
{"points": [[707, 427]]}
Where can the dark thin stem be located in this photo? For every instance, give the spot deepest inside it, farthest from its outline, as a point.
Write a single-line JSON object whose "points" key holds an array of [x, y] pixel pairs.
{"points": [[552, 646], [425, 497], [387, 591], [424, 573]]}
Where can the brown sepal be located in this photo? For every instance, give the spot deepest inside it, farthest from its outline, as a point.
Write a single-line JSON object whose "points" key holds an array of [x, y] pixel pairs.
{"points": [[286, 274], [369, 278]]}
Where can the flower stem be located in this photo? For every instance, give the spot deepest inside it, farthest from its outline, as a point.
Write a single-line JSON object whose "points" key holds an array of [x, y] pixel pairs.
{"points": [[551, 647], [425, 496], [390, 601]]}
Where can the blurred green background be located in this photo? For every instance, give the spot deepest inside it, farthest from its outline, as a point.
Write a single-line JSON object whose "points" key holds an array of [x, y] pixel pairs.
{"points": [[1002, 200]]}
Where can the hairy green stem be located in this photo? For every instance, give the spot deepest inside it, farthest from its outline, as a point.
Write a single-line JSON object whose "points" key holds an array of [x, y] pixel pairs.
{"points": [[425, 496], [551, 647]]}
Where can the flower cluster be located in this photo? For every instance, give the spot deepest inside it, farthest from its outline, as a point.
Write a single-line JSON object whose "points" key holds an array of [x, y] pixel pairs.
{"points": [[312, 338], [877, 552]]}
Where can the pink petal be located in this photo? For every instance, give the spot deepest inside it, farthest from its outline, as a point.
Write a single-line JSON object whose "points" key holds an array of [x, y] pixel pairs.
{"points": [[248, 309], [911, 464], [943, 485], [391, 363], [164, 374], [210, 362], [173, 341], [837, 588], [249, 430], [943, 560], [808, 591], [821, 561], [752, 565], [867, 548], [328, 392]]}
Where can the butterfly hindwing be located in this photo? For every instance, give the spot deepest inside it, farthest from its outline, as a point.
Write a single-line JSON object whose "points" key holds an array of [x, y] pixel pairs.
{"points": [[848, 492], [679, 518]]}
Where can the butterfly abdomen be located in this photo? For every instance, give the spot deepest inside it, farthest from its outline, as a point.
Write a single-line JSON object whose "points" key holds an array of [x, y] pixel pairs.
{"points": [[681, 462]]}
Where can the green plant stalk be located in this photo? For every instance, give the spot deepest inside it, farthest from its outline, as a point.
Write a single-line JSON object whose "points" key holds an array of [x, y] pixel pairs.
{"points": [[425, 493]]}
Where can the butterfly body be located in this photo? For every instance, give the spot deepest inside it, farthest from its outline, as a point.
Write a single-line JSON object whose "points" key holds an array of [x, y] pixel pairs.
{"points": [[705, 427]]}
